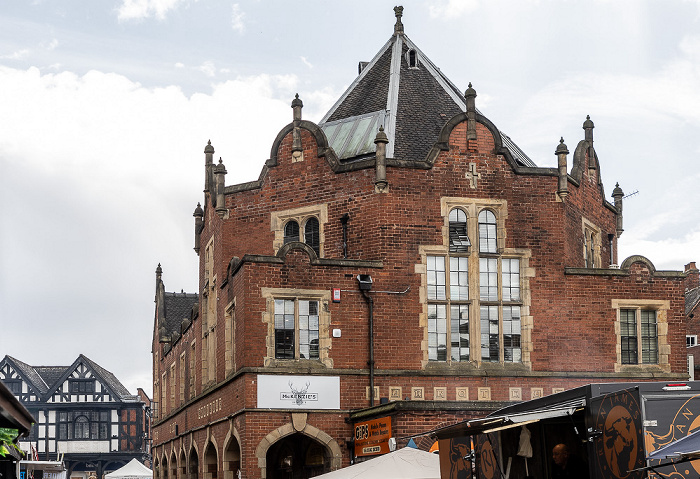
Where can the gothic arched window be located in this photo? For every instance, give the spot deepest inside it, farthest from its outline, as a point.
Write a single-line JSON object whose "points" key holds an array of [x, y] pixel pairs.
{"points": [[291, 231], [311, 234]]}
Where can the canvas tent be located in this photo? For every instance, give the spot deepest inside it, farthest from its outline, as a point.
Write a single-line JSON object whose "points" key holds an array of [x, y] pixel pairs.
{"points": [[133, 470], [406, 463]]}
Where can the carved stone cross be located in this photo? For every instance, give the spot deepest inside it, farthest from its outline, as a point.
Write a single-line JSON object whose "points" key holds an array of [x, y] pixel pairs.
{"points": [[472, 175]]}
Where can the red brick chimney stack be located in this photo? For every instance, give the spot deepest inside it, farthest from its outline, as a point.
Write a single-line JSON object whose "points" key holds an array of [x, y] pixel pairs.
{"points": [[692, 279]]}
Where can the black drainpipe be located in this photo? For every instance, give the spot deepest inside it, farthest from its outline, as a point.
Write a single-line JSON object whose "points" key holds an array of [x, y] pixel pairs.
{"points": [[344, 220], [365, 281]]}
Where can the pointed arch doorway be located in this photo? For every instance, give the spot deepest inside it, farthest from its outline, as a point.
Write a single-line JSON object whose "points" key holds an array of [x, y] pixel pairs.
{"points": [[297, 456]]}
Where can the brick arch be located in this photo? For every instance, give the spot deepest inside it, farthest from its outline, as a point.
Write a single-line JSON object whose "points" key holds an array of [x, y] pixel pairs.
{"points": [[627, 263], [232, 437], [289, 429]]}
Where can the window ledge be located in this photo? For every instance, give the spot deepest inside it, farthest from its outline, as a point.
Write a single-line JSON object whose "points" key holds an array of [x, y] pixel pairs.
{"points": [[298, 365], [487, 368]]}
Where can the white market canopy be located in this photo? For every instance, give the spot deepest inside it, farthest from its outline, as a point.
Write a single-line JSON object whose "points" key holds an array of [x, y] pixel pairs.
{"points": [[406, 463], [133, 470]]}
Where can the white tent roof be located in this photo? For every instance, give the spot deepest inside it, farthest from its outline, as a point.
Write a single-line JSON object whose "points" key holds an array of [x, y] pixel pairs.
{"points": [[133, 470], [406, 463]]}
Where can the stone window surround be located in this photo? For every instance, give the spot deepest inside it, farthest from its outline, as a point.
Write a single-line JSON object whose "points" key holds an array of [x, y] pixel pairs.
{"points": [[661, 307], [589, 229], [300, 215], [472, 207], [324, 321], [229, 335]]}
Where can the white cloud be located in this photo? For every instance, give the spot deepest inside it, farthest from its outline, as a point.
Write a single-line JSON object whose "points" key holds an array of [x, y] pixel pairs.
{"points": [[111, 172], [237, 16], [208, 68], [140, 9], [19, 54], [451, 9], [179, 65], [306, 62], [52, 45]]}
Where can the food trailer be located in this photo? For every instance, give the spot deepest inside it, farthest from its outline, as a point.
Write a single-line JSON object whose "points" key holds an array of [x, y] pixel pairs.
{"points": [[608, 428]]}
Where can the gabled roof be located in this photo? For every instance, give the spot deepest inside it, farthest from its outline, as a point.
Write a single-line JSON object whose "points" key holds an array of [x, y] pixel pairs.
{"points": [[107, 377], [692, 300], [47, 378], [178, 306], [403, 91], [29, 374]]}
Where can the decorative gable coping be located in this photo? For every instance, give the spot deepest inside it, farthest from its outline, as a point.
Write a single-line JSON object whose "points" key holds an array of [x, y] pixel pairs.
{"points": [[624, 269]]}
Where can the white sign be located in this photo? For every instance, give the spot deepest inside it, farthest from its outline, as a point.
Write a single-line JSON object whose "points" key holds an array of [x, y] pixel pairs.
{"points": [[298, 392]]}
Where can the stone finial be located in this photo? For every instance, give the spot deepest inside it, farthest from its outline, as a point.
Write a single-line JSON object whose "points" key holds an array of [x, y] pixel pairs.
{"points": [[198, 211], [563, 186], [470, 97], [380, 182], [208, 166], [398, 27], [471, 92], [588, 128], [220, 180], [561, 148], [159, 271], [618, 194], [297, 105], [381, 136]]}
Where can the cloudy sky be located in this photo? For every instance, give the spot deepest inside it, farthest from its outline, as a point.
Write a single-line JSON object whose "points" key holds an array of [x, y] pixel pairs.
{"points": [[105, 109]]}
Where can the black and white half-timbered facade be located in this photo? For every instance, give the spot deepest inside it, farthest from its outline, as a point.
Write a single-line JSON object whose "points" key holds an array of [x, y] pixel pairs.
{"points": [[84, 414]]}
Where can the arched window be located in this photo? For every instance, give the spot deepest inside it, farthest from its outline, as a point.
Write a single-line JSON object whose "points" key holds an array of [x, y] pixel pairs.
{"points": [[291, 231], [82, 428], [311, 236], [459, 239], [487, 232]]}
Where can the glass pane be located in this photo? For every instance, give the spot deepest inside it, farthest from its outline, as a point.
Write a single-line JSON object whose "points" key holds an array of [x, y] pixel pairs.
{"points": [[437, 334], [459, 279], [487, 232], [436, 277], [291, 231], [488, 277], [489, 333]]}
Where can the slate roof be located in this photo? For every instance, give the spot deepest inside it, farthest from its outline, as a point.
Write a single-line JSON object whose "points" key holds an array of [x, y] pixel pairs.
{"points": [[30, 374], [417, 102], [692, 299], [46, 378], [110, 379], [178, 306]]}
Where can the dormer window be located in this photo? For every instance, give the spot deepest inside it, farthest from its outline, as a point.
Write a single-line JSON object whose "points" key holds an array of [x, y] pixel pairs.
{"points": [[412, 59]]}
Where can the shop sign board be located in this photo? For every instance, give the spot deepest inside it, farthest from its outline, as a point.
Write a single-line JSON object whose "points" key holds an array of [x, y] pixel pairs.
{"points": [[372, 437], [298, 392]]}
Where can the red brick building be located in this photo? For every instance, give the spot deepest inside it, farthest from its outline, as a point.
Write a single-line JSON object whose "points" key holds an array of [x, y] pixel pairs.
{"points": [[401, 259]]}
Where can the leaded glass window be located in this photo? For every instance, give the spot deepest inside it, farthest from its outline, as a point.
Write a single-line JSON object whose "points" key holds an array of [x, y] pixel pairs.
{"points": [[311, 234], [296, 329], [291, 231]]}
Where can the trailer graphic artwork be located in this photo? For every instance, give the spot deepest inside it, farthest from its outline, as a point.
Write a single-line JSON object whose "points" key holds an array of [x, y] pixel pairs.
{"points": [[685, 418], [618, 448], [486, 456]]}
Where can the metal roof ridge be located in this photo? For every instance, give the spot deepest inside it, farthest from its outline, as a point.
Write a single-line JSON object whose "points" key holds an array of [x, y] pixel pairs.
{"points": [[392, 101], [357, 80]]}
